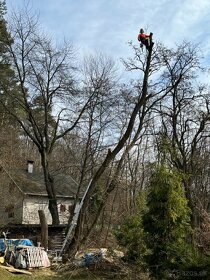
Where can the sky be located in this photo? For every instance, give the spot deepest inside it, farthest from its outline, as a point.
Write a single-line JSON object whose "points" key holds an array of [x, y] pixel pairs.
{"points": [[108, 25]]}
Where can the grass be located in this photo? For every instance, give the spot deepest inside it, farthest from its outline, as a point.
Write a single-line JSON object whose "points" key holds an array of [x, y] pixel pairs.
{"points": [[65, 272], [47, 274]]}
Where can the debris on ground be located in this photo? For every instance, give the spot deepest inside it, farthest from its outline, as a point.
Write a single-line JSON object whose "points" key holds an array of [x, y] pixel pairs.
{"points": [[97, 255], [100, 262], [19, 254]]}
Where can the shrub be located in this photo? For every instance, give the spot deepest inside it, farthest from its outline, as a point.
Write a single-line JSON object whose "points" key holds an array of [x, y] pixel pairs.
{"points": [[131, 234]]}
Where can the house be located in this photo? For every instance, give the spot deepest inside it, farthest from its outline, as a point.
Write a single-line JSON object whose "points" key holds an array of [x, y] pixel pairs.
{"points": [[23, 193]]}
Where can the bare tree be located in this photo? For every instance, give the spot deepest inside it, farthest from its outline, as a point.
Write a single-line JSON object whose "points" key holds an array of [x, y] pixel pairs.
{"points": [[49, 104], [185, 118], [143, 99], [147, 95]]}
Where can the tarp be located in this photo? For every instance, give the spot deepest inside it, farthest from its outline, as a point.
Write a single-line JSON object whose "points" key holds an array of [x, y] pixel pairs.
{"points": [[2, 246], [14, 242]]}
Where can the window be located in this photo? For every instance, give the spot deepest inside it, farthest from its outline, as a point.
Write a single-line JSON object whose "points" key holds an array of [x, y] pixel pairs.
{"points": [[10, 210], [62, 208]]}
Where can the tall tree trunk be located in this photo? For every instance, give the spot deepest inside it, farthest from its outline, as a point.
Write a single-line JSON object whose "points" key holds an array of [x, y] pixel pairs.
{"points": [[49, 183], [79, 234]]}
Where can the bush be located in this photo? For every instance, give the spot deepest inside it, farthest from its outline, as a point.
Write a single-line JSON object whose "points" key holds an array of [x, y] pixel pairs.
{"points": [[131, 234]]}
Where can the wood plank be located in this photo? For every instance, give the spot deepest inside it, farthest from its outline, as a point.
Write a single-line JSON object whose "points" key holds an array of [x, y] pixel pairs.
{"points": [[15, 270]]}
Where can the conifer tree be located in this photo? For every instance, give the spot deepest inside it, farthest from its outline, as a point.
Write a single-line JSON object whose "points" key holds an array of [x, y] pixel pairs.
{"points": [[9, 129], [8, 83], [167, 222]]}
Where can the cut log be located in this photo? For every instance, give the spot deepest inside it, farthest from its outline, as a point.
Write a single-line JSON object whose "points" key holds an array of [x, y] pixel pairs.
{"points": [[44, 229]]}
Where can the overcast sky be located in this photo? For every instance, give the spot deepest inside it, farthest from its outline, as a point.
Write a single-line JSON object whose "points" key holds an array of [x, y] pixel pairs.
{"points": [[108, 25]]}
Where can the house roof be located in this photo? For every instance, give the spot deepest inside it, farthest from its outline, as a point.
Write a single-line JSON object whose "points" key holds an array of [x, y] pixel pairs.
{"points": [[33, 183]]}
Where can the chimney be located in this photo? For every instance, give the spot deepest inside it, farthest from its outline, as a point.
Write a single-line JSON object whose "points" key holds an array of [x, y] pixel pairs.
{"points": [[30, 166]]}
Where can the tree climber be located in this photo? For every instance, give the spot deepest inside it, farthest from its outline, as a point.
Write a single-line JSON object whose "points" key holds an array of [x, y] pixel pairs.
{"points": [[145, 39]]}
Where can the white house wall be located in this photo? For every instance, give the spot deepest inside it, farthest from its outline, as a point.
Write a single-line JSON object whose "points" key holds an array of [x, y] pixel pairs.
{"points": [[31, 205]]}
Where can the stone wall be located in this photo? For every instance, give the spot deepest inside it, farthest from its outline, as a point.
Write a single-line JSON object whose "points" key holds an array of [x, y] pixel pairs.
{"points": [[32, 204]]}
